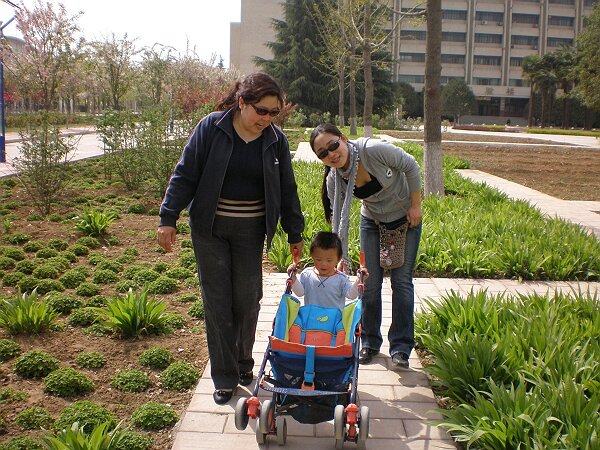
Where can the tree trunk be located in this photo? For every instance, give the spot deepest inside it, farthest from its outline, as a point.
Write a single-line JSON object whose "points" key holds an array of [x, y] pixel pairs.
{"points": [[368, 71], [432, 149], [353, 129], [530, 116], [342, 97]]}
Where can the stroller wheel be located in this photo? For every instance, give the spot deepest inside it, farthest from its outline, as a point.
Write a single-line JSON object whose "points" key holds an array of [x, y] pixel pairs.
{"points": [[339, 426], [363, 428], [281, 426], [263, 424], [241, 413]]}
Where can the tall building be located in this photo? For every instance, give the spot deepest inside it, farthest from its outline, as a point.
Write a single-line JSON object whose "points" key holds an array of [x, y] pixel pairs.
{"points": [[483, 42]]}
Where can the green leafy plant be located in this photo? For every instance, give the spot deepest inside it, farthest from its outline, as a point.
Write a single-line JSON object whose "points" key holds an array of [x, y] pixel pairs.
{"points": [[134, 314], [87, 289], [35, 364], [67, 382], [33, 246], [102, 437], [179, 376], [89, 242], [163, 285], [104, 276], [63, 303], [22, 443], [8, 349], [83, 317], [153, 416], [11, 395], [71, 279], [90, 360], [131, 380], [88, 414], [26, 314], [34, 418], [95, 223], [134, 441], [197, 310], [156, 358]]}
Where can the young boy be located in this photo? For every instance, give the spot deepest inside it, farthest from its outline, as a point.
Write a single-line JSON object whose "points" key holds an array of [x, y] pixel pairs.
{"points": [[323, 284]]}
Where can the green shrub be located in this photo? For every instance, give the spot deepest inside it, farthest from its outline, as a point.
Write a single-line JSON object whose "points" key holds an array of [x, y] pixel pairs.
{"points": [[187, 259], [163, 285], [112, 240], [34, 418], [186, 243], [27, 283], [95, 223], [58, 244], [83, 317], [14, 278], [197, 310], [26, 266], [47, 285], [97, 300], [154, 416], [145, 276], [125, 259], [46, 253], [135, 314], [45, 271], [96, 258], [87, 289], [90, 360], [35, 364], [161, 267], [68, 255], [108, 264], [187, 298], [8, 349], [131, 251], [60, 262], [13, 253], [79, 249], [134, 441], [191, 282], [131, 380], [101, 437], [104, 276], [136, 209], [11, 395], [88, 414], [34, 246], [179, 273], [7, 263], [22, 443], [156, 358], [55, 218], [18, 238], [183, 228], [179, 376], [26, 314], [125, 285], [35, 217], [89, 242], [67, 382], [72, 278], [63, 303]]}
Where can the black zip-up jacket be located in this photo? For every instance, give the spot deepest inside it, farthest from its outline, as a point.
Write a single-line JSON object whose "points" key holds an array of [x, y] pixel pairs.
{"points": [[199, 174]]}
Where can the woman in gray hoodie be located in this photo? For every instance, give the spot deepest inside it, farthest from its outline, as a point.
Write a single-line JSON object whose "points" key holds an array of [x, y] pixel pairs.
{"points": [[387, 181]]}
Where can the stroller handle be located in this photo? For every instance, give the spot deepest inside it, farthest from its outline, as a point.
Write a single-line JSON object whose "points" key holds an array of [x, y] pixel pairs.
{"points": [[289, 281]]}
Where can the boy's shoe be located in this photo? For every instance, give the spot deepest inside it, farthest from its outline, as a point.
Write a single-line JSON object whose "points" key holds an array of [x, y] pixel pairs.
{"points": [[366, 355], [222, 396], [400, 360], [246, 378]]}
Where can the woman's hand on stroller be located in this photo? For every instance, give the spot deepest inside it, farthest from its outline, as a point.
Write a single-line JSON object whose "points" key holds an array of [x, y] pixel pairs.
{"points": [[364, 271]]}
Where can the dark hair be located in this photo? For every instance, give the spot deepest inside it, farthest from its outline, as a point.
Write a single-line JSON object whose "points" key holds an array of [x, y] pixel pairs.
{"points": [[326, 240], [319, 129], [252, 88]]}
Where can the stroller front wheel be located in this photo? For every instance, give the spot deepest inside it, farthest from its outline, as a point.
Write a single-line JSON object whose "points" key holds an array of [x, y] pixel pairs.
{"points": [[281, 426], [339, 426], [363, 428], [241, 413], [264, 422]]}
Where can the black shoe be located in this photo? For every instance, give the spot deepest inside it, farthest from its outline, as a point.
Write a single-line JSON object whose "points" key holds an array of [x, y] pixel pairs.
{"points": [[222, 396], [246, 378], [400, 360], [366, 355]]}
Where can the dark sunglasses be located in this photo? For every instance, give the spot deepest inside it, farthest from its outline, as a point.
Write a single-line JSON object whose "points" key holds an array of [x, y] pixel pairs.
{"points": [[332, 148], [263, 111]]}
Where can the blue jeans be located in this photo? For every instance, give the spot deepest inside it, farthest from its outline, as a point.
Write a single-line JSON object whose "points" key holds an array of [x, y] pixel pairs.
{"points": [[401, 333]]}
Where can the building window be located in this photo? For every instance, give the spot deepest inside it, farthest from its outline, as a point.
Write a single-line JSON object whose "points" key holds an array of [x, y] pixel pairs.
{"points": [[411, 35], [516, 62], [559, 42], [412, 78], [445, 80], [487, 60], [412, 57], [517, 82], [524, 40], [489, 17], [486, 81], [561, 21], [449, 36], [526, 19], [589, 3], [484, 38], [563, 2], [453, 14], [453, 59]]}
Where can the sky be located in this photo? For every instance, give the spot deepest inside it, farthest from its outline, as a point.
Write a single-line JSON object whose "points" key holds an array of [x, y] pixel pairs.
{"points": [[205, 23]]}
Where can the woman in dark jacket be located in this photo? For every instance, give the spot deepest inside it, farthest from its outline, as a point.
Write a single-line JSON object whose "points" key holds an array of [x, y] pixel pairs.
{"points": [[235, 173]]}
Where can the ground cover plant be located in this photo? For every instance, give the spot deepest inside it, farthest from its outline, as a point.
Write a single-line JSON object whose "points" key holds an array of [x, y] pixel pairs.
{"points": [[72, 270], [515, 372]]}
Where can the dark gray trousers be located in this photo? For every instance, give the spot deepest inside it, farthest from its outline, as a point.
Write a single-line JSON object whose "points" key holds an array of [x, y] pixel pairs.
{"points": [[230, 271]]}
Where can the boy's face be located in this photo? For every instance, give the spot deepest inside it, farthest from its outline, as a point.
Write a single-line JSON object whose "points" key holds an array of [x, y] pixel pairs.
{"points": [[325, 261]]}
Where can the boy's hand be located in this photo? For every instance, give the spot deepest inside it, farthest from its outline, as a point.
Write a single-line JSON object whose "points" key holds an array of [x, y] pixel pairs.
{"points": [[292, 270]]}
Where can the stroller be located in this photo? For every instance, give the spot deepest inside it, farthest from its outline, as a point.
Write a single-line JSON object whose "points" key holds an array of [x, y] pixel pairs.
{"points": [[311, 383]]}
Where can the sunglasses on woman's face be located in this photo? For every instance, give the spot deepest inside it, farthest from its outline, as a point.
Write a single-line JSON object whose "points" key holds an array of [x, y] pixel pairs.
{"points": [[332, 148], [263, 111]]}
